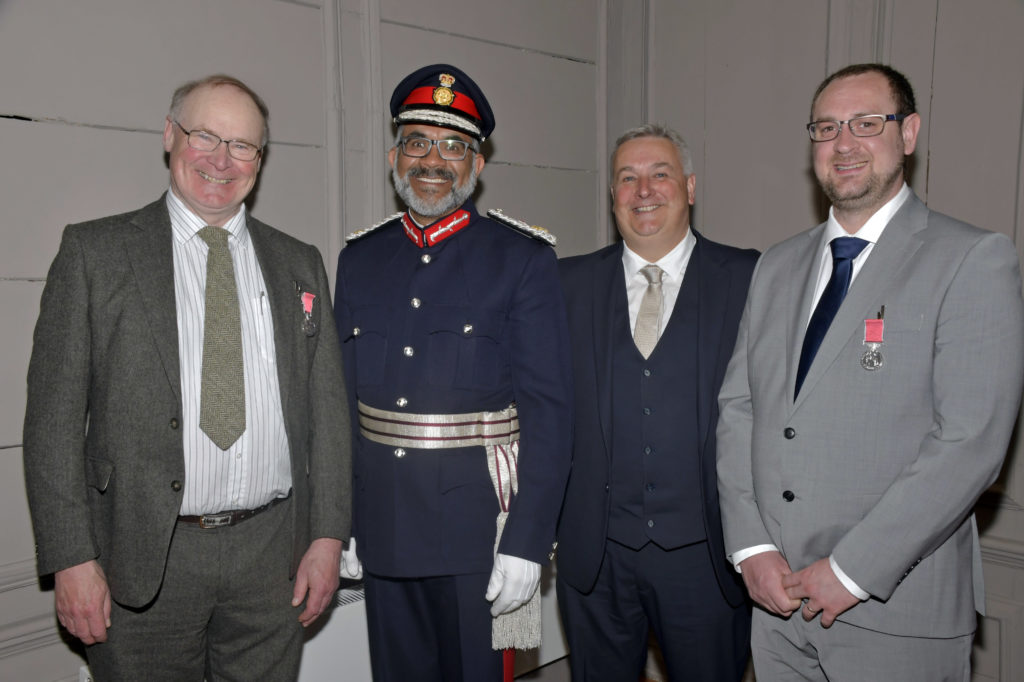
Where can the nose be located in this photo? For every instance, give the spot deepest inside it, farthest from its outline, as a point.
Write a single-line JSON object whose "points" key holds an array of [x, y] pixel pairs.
{"points": [[643, 187], [845, 140], [219, 157]]}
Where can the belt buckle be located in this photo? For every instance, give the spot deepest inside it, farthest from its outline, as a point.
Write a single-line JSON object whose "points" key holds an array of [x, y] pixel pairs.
{"points": [[214, 520]]}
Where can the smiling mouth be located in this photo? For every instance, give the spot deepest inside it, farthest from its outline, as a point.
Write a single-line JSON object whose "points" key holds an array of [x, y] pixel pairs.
{"points": [[210, 178], [850, 166], [432, 181], [646, 209]]}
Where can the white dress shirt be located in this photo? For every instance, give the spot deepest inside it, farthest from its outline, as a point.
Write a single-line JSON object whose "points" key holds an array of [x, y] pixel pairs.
{"points": [[257, 467], [870, 232], [673, 264]]}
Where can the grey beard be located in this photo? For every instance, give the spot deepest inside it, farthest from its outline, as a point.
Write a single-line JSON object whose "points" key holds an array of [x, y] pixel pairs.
{"points": [[442, 205]]}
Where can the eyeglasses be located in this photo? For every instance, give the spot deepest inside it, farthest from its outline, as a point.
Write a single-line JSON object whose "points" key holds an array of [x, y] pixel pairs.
{"points": [[205, 141], [449, 150], [861, 126]]}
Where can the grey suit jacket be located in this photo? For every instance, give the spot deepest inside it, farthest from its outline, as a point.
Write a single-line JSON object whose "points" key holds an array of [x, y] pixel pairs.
{"points": [[878, 468], [104, 460]]}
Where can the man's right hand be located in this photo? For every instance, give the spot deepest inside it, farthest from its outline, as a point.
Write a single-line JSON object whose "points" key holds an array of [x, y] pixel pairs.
{"points": [[762, 574], [83, 601]]}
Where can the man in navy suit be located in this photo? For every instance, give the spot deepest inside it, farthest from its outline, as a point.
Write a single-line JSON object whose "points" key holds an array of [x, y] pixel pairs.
{"points": [[456, 354], [652, 323]]}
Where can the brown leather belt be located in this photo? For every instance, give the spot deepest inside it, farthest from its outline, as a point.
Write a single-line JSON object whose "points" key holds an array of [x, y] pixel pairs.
{"points": [[229, 518]]}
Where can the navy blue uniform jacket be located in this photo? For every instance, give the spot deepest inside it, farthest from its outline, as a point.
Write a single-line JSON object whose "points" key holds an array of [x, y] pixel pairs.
{"points": [[723, 275], [486, 329]]}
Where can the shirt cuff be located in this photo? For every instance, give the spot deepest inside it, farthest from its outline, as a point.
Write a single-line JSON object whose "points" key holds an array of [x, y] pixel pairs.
{"points": [[853, 587], [737, 557]]}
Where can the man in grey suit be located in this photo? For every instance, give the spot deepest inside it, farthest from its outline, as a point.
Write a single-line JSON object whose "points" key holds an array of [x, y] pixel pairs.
{"points": [[858, 429], [186, 450]]}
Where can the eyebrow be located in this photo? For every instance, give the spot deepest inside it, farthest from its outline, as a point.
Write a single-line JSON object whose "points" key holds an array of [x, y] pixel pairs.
{"points": [[657, 165]]}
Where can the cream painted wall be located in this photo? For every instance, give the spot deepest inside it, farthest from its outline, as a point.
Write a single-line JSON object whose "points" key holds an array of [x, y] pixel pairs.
{"points": [[94, 77]]}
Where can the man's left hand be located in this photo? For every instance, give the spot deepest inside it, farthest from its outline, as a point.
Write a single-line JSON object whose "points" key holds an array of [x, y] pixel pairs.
{"points": [[318, 575], [513, 582], [821, 588]]}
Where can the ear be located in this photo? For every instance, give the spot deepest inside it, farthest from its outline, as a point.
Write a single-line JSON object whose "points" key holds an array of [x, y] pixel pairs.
{"points": [[168, 134], [478, 162], [392, 153], [911, 126], [691, 185]]}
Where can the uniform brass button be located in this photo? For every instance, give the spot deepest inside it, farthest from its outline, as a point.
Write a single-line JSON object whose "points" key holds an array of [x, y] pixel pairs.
{"points": [[408, 351], [467, 329], [399, 453], [415, 303], [425, 258], [788, 496], [402, 402], [355, 331]]}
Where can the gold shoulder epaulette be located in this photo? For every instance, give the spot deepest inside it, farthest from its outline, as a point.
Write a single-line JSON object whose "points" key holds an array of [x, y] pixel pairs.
{"points": [[359, 234], [534, 231]]}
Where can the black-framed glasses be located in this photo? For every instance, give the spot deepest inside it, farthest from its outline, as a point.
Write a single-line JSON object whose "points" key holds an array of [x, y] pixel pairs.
{"points": [[205, 141], [860, 126], [448, 149]]}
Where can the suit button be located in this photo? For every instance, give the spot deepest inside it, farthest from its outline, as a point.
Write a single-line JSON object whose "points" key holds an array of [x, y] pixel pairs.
{"points": [[788, 496], [650, 523], [174, 422], [607, 487], [647, 411], [647, 372], [789, 432], [648, 450], [176, 486], [650, 487]]}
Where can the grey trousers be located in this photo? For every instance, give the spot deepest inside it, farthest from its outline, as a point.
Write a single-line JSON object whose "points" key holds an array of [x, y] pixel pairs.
{"points": [[223, 612], [794, 649]]}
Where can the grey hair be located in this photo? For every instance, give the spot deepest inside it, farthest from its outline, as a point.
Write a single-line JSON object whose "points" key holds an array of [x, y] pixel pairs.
{"points": [[218, 80], [657, 130]]}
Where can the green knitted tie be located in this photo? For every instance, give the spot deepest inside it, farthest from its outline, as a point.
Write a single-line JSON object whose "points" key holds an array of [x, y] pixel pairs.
{"points": [[222, 401]]}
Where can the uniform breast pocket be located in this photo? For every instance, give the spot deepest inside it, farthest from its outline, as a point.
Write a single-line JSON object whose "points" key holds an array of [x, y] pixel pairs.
{"points": [[465, 349], [367, 341]]}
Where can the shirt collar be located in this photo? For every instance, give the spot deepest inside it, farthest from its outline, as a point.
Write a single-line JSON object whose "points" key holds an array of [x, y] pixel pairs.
{"points": [[673, 263], [872, 230], [185, 224]]}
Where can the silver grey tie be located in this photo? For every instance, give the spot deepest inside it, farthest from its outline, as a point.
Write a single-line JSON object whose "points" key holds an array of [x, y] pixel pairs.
{"points": [[645, 333], [222, 397]]}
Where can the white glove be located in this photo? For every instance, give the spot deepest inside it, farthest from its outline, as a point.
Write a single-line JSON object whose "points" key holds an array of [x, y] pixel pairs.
{"points": [[350, 565], [512, 584]]}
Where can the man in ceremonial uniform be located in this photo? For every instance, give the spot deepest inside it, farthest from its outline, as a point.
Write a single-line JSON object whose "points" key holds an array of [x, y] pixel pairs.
{"points": [[455, 344], [867, 405]]}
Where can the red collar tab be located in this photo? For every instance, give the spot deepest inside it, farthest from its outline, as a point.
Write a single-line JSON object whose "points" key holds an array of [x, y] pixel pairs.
{"points": [[436, 233]]}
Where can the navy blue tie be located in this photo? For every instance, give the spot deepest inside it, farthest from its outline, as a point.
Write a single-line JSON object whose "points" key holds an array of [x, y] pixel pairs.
{"points": [[844, 250]]}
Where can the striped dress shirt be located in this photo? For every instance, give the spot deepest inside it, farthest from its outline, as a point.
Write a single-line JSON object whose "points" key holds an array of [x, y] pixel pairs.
{"points": [[257, 467]]}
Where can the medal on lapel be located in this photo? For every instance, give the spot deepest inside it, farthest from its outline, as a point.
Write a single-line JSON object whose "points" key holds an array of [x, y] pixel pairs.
{"points": [[874, 331], [306, 298]]}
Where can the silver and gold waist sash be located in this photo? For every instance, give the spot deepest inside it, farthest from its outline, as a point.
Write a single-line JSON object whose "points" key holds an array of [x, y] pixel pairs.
{"points": [[434, 431]]}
